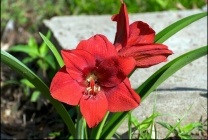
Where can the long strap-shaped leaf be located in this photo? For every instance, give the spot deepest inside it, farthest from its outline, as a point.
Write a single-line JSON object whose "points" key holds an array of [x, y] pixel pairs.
{"points": [[154, 81], [175, 27], [114, 122], [18, 66], [111, 127], [54, 50]]}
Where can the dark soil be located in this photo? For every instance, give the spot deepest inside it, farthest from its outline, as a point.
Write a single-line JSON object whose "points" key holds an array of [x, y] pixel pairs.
{"points": [[23, 119]]}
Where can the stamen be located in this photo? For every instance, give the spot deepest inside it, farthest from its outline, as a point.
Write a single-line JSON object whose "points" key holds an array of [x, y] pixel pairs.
{"points": [[92, 88]]}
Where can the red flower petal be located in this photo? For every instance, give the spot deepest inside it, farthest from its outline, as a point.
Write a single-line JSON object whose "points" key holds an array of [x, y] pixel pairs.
{"points": [[150, 61], [78, 63], [98, 46], [112, 71], [127, 64], [122, 20], [122, 97], [65, 89], [147, 55], [140, 33], [94, 108]]}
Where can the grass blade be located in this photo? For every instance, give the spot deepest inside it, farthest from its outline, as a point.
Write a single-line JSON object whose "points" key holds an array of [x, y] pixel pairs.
{"points": [[80, 125], [54, 50], [43, 49], [178, 123], [113, 124], [165, 125], [31, 51], [19, 67], [130, 125]]}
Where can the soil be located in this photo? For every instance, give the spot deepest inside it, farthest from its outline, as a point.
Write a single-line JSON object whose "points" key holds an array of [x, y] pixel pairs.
{"points": [[23, 119]]}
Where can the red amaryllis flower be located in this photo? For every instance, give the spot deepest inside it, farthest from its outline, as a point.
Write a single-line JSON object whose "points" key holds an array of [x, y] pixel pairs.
{"points": [[95, 77], [137, 40]]}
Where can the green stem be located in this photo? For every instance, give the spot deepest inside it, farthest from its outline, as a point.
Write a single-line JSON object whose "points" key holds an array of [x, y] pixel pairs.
{"points": [[96, 132], [178, 123], [129, 126], [85, 130], [80, 129]]}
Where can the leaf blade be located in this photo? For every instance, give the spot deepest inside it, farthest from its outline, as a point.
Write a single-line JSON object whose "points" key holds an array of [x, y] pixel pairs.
{"points": [[31, 51], [54, 50]]}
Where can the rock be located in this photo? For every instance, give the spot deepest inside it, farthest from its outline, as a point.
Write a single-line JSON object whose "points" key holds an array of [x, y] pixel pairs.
{"points": [[186, 88]]}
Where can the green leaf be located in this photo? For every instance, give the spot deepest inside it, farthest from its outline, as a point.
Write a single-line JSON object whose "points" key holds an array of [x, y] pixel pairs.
{"points": [[32, 43], [130, 125], [54, 50], [31, 51], [43, 47], [50, 60], [177, 26], [35, 96], [41, 64], [96, 132], [27, 60], [189, 127], [135, 121], [80, 125], [19, 67], [112, 125], [165, 125], [177, 125], [54, 134], [185, 136], [145, 124], [9, 82], [27, 83], [161, 3]]}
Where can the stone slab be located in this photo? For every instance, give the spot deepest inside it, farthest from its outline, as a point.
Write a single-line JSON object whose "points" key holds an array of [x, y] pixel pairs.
{"points": [[186, 87]]}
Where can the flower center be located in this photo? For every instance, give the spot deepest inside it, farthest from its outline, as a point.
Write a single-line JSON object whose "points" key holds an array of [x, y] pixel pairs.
{"points": [[92, 87]]}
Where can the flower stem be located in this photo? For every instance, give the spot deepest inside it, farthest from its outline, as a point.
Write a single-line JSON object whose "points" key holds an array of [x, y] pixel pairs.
{"points": [[81, 124], [129, 125], [96, 132]]}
